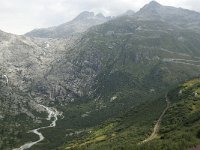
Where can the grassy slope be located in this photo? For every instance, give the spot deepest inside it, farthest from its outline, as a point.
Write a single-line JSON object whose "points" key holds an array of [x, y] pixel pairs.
{"points": [[180, 127]]}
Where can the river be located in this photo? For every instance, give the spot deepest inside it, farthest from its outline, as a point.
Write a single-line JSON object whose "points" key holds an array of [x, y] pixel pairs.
{"points": [[52, 113]]}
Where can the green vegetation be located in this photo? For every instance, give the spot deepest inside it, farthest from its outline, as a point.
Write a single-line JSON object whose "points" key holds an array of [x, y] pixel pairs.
{"points": [[179, 128], [14, 127], [131, 62], [12, 132], [123, 132]]}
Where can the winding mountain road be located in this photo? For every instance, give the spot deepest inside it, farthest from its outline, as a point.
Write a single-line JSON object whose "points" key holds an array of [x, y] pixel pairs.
{"points": [[157, 125], [183, 61], [52, 113]]}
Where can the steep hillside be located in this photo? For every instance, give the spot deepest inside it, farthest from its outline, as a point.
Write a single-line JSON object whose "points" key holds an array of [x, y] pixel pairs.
{"points": [[178, 129], [24, 63], [18, 114], [119, 69]]}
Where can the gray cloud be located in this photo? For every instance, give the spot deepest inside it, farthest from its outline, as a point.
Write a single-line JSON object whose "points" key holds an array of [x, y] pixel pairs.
{"points": [[20, 16]]}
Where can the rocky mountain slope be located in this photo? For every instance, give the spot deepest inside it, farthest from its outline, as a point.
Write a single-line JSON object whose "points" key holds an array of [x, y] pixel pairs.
{"points": [[80, 24], [125, 64], [175, 16], [24, 64], [26, 61]]}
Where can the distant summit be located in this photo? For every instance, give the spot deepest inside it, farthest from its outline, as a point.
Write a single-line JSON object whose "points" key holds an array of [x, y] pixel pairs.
{"points": [[153, 6], [79, 24], [172, 15], [100, 15], [84, 15], [88, 15], [129, 13]]}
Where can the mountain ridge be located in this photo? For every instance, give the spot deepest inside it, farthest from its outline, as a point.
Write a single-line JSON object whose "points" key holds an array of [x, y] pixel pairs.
{"points": [[173, 15], [78, 25]]}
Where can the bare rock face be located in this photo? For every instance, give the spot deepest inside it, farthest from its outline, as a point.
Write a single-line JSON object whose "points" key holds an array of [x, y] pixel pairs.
{"points": [[50, 69], [45, 70]]}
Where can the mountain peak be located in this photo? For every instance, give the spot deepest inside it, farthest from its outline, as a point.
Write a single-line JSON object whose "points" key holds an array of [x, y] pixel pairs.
{"points": [[100, 15], [151, 9], [153, 5], [84, 15], [129, 12]]}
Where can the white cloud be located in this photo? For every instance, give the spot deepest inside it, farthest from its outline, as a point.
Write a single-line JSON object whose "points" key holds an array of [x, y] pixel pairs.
{"points": [[20, 16]]}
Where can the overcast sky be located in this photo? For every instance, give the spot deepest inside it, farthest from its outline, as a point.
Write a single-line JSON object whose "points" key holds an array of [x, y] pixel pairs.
{"points": [[21, 16]]}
